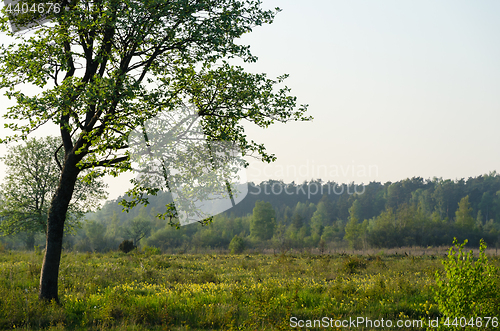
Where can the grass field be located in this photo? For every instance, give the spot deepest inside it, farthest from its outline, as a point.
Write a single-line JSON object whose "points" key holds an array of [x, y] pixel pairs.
{"points": [[142, 291]]}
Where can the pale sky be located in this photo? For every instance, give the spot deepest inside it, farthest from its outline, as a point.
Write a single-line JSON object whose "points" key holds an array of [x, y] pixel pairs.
{"points": [[397, 89]]}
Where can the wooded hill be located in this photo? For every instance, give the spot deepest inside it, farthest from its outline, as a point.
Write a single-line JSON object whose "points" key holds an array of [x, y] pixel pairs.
{"points": [[410, 212]]}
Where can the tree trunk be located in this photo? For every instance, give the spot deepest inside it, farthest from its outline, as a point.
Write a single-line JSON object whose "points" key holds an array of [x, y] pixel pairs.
{"points": [[55, 230]]}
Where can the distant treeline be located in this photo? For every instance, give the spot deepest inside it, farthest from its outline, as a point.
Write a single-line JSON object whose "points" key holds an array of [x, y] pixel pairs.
{"points": [[315, 214]]}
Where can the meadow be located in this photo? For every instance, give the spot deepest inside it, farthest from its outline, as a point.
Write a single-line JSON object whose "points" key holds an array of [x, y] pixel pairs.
{"points": [[147, 290]]}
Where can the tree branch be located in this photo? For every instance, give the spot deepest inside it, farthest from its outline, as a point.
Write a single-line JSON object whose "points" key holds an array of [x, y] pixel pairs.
{"points": [[105, 163]]}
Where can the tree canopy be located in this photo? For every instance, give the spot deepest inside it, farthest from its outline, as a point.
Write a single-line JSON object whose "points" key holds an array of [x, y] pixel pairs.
{"points": [[31, 180], [263, 221]]}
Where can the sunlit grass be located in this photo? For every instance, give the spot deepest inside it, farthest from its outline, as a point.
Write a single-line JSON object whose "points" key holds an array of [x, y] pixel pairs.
{"points": [[213, 292]]}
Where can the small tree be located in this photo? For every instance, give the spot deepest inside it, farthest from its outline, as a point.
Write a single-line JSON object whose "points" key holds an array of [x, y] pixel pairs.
{"points": [[353, 229], [138, 229], [319, 220], [263, 221], [463, 215], [31, 181], [237, 245], [95, 232], [469, 288]]}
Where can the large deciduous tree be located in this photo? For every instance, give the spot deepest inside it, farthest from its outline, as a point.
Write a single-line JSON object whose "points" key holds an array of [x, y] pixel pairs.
{"points": [[105, 67]]}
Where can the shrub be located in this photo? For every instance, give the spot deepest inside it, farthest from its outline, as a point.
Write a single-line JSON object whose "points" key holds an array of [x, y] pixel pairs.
{"points": [[237, 245], [150, 250], [352, 264], [126, 246], [469, 288]]}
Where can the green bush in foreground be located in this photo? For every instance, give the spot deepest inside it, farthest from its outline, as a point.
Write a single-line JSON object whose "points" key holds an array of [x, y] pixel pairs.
{"points": [[469, 289]]}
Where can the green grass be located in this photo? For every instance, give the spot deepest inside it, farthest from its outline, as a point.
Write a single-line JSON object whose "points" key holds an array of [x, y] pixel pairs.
{"points": [[137, 291]]}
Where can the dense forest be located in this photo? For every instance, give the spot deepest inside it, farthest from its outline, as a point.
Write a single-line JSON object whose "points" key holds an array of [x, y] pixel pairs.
{"points": [[315, 214]]}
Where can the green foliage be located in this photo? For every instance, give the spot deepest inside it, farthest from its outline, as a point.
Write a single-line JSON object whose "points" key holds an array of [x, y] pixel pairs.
{"points": [[263, 221], [126, 246], [138, 229], [353, 229], [352, 264], [166, 238], [95, 232], [151, 250], [417, 222], [329, 233], [237, 245], [463, 216], [470, 288], [319, 219], [103, 69], [32, 178], [410, 224]]}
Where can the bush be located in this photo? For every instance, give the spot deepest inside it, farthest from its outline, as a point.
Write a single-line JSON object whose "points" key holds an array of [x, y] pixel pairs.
{"points": [[237, 245], [352, 264], [150, 250], [469, 288], [126, 246]]}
